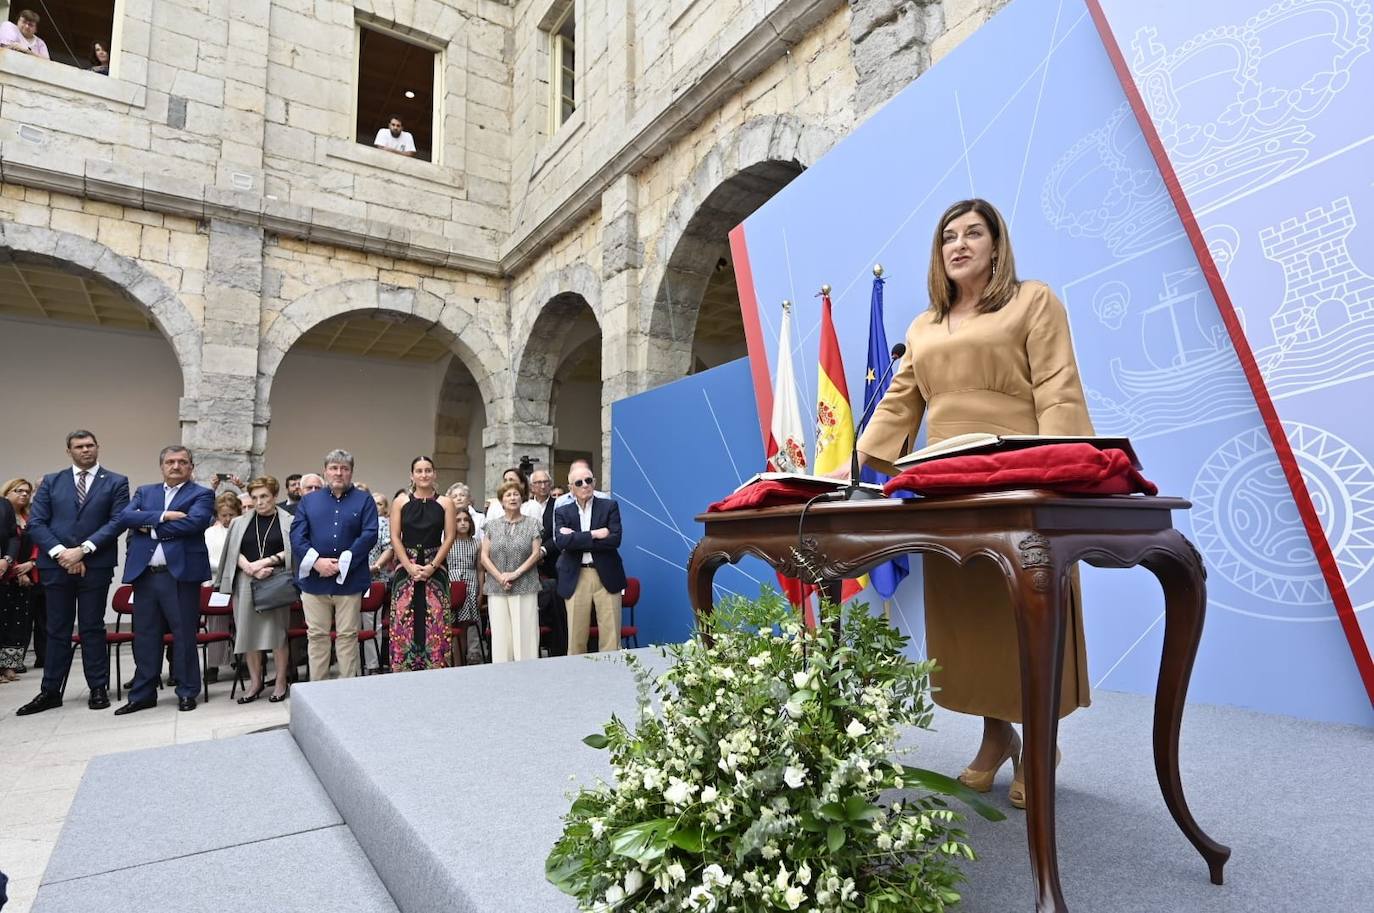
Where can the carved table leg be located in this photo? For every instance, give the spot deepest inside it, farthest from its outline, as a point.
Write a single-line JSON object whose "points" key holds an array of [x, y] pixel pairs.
{"points": [[1038, 593], [701, 572], [1182, 575]]}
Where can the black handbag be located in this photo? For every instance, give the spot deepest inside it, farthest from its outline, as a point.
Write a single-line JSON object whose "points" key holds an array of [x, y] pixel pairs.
{"points": [[274, 592]]}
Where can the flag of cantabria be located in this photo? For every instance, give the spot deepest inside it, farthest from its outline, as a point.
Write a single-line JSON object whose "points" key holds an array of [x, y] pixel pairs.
{"points": [[789, 438], [787, 441]]}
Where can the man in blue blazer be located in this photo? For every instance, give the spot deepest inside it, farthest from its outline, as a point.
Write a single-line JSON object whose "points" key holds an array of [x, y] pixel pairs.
{"points": [[74, 520], [167, 561], [587, 533]]}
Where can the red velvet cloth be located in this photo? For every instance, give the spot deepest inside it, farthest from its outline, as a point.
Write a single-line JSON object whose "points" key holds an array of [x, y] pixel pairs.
{"points": [[1069, 468], [768, 493]]}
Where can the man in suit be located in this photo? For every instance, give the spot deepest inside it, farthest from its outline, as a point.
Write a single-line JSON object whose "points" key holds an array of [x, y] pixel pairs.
{"points": [[74, 521], [293, 493], [166, 562], [553, 614], [589, 568]]}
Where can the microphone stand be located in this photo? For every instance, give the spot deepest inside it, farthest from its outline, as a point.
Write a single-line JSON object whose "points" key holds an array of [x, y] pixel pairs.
{"points": [[853, 491]]}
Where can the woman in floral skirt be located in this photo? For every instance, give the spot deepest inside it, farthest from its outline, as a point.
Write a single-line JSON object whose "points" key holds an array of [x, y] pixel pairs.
{"points": [[422, 532]]}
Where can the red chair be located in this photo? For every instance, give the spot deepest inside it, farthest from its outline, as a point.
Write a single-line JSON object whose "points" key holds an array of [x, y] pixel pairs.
{"points": [[208, 611], [205, 637], [375, 604], [628, 632]]}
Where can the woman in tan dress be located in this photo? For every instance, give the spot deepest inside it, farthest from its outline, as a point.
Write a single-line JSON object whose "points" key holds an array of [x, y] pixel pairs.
{"points": [[992, 354]]}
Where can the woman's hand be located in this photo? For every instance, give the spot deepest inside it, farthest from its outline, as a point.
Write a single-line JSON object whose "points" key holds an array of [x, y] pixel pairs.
{"points": [[24, 568], [261, 573]]}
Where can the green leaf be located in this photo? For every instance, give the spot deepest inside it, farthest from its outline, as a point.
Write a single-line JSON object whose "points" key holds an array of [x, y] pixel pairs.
{"points": [[688, 838], [948, 786], [596, 740], [857, 808], [586, 805], [831, 811], [834, 837], [563, 872], [642, 842]]}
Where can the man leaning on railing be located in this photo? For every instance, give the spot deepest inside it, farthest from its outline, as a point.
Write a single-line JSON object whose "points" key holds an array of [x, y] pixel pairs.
{"points": [[23, 36]]}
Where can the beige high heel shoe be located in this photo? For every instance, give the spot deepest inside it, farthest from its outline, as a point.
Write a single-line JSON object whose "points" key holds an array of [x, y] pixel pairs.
{"points": [[980, 781], [1017, 793]]}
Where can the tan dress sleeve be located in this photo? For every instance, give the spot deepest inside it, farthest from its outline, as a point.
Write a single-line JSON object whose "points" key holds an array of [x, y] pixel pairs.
{"points": [[1056, 388], [897, 417]]}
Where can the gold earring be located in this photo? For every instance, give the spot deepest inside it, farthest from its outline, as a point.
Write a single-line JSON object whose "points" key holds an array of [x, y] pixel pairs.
{"points": [[994, 270]]}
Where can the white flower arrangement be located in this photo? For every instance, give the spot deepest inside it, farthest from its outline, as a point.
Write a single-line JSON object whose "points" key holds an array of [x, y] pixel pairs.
{"points": [[765, 779]]}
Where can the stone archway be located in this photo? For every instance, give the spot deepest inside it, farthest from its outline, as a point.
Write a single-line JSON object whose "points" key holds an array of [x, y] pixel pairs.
{"points": [[737, 176], [94, 260], [472, 346], [562, 319]]}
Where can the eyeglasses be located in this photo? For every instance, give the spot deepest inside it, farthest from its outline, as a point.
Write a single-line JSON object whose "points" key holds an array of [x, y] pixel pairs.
{"points": [[578, 483]]}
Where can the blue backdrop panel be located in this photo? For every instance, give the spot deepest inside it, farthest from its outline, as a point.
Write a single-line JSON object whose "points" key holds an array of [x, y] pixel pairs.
{"points": [[676, 449], [1264, 111], [1046, 134]]}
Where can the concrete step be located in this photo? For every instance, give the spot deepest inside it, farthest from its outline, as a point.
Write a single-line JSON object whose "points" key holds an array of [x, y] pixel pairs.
{"points": [[207, 825], [467, 769]]}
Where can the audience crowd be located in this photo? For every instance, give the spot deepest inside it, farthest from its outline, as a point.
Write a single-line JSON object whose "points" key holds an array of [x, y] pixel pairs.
{"points": [[445, 583]]}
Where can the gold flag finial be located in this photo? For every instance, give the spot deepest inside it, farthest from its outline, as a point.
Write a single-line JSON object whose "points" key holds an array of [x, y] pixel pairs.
{"points": [[878, 270], [786, 304], [825, 289]]}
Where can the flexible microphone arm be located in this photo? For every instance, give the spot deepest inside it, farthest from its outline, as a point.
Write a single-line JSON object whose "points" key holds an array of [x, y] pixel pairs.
{"points": [[853, 492]]}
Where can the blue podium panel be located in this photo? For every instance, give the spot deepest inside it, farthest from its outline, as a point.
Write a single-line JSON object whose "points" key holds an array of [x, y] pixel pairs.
{"points": [[1029, 114], [676, 449]]}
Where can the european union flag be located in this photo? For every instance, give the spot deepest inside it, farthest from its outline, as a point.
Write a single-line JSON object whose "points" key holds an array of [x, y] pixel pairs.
{"points": [[885, 577]]}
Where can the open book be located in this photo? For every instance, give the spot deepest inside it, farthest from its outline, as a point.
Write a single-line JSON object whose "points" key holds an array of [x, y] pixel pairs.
{"points": [[971, 444], [821, 483]]}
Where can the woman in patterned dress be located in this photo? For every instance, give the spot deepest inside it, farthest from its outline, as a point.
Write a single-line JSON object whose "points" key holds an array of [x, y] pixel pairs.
{"points": [[510, 555], [422, 532]]}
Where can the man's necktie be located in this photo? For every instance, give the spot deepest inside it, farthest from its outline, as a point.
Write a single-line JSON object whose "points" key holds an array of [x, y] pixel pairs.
{"points": [[81, 488]]}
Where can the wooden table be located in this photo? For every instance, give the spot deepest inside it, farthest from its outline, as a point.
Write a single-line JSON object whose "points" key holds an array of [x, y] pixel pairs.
{"points": [[1034, 537]]}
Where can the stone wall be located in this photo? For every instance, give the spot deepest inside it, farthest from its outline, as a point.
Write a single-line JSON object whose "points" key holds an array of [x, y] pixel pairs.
{"points": [[215, 178]]}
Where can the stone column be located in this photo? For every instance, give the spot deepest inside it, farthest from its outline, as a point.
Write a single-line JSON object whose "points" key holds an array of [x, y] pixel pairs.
{"points": [[504, 445], [221, 427], [622, 259], [891, 43], [457, 398]]}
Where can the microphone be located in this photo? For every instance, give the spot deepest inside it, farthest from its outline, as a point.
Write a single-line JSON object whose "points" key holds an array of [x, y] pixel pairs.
{"points": [[853, 492]]}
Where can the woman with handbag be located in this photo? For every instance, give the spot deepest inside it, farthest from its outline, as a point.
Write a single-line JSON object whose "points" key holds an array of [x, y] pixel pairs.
{"points": [[256, 569]]}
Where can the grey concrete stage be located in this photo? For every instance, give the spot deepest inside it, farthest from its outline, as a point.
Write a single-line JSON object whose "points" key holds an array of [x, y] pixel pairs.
{"points": [[238, 823], [453, 784]]}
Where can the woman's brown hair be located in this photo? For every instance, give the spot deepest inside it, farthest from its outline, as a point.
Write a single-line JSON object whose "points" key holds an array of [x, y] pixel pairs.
{"points": [[268, 482], [1003, 285], [507, 486]]}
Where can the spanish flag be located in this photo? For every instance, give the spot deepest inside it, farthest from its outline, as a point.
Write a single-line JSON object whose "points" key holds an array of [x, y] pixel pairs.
{"points": [[834, 418]]}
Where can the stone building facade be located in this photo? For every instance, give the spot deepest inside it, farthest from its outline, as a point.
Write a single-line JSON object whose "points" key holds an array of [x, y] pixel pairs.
{"points": [[214, 178]]}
